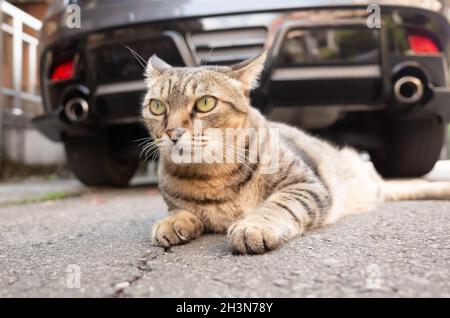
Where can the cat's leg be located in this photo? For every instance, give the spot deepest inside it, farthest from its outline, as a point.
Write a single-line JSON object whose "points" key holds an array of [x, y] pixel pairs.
{"points": [[179, 227], [285, 214]]}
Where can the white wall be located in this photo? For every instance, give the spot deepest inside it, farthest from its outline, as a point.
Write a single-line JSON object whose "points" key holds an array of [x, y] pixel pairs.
{"points": [[29, 147]]}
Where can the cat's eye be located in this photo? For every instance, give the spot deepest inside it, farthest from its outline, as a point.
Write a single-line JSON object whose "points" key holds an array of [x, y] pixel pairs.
{"points": [[157, 107], [205, 104]]}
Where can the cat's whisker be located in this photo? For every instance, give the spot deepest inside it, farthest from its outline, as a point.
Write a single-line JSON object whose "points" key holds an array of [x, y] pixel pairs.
{"points": [[151, 153], [146, 149], [149, 142], [145, 142], [139, 139], [150, 146], [138, 58], [137, 55], [205, 60]]}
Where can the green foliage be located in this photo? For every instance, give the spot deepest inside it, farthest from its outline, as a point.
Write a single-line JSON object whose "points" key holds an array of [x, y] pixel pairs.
{"points": [[13, 171], [49, 196]]}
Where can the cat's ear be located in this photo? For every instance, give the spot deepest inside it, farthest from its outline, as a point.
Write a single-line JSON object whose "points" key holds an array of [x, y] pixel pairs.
{"points": [[156, 66], [249, 71]]}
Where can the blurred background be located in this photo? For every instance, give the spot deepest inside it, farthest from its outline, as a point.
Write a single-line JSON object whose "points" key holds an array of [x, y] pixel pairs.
{"points": [[370, 74], [26, 152], [23, 150]]}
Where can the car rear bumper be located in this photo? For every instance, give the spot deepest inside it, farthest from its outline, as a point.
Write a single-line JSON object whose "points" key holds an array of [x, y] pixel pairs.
{"points": [[54, 128], [111, 80]]}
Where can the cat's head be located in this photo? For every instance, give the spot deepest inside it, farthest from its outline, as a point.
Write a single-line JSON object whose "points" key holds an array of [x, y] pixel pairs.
{"points": [[178, 97]]}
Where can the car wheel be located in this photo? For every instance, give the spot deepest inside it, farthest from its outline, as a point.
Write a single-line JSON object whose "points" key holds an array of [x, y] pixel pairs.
{"points": [[412, 147], [95, 164]]}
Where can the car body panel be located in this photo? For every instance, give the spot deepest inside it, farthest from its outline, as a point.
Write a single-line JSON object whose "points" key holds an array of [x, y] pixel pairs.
{"points": [[116, 13]]}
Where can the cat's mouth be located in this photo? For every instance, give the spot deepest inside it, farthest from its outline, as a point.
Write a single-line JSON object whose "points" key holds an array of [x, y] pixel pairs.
{"points": [[189, 147], [186, 150], [212, 152], [189, 144]]}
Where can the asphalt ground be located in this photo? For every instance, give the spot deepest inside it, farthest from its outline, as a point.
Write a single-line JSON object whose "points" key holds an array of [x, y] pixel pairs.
{"points": [[60, 239]]}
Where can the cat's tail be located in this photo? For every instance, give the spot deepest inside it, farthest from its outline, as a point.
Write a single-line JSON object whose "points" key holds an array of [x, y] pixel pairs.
{"points": [[415, 190]]}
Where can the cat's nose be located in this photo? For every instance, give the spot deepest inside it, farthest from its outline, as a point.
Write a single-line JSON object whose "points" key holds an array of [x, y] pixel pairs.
{"points": [[175, 133]]}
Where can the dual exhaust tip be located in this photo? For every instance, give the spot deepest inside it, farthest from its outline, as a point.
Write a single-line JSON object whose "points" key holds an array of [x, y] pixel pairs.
{"points": [[408, 90], [75, 103], [76, 109]]}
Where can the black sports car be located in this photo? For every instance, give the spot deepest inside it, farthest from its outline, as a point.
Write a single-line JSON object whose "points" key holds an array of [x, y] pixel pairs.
{"points": [[375, 77]]}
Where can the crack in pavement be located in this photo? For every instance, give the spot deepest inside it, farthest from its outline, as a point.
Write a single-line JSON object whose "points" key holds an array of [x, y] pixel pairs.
{"points": [[143, 267]]}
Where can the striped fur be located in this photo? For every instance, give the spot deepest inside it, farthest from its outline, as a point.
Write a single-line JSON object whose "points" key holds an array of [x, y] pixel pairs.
{"points": [[316, 183]]}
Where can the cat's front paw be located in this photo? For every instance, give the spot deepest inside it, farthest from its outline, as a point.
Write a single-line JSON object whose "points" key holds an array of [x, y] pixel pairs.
{"points": [[252, 237], [177, 229]]}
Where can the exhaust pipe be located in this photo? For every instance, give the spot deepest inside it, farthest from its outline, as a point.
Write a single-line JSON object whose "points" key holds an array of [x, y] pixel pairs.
{"points": [[76, 109], [408, 90]]}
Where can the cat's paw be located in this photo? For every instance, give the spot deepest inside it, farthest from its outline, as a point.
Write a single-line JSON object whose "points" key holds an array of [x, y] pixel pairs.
{"points": [[176, 229], [247, 237]]}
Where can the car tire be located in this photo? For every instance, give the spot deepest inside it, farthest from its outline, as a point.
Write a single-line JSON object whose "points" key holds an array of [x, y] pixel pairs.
{"points": [[94, 163], [413, 146]]}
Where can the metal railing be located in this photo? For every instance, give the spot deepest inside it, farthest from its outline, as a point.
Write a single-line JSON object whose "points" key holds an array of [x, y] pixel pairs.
{"points": [[20, 19], [14, 23]]}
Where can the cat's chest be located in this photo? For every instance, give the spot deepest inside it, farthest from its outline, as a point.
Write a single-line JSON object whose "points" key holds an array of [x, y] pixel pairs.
{"points": [[217, 207], [218, 218]]}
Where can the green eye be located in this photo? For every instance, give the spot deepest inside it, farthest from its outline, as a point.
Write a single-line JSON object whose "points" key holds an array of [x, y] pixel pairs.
{"points": [[157, 107], [205, 104]]}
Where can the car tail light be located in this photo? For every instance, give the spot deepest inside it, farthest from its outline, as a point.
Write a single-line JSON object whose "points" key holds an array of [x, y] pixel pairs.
{"points": [[421, 43], [63, 71]]}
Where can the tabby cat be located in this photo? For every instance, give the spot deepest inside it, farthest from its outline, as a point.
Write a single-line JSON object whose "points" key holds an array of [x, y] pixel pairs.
{"points": [[315, 182]]}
